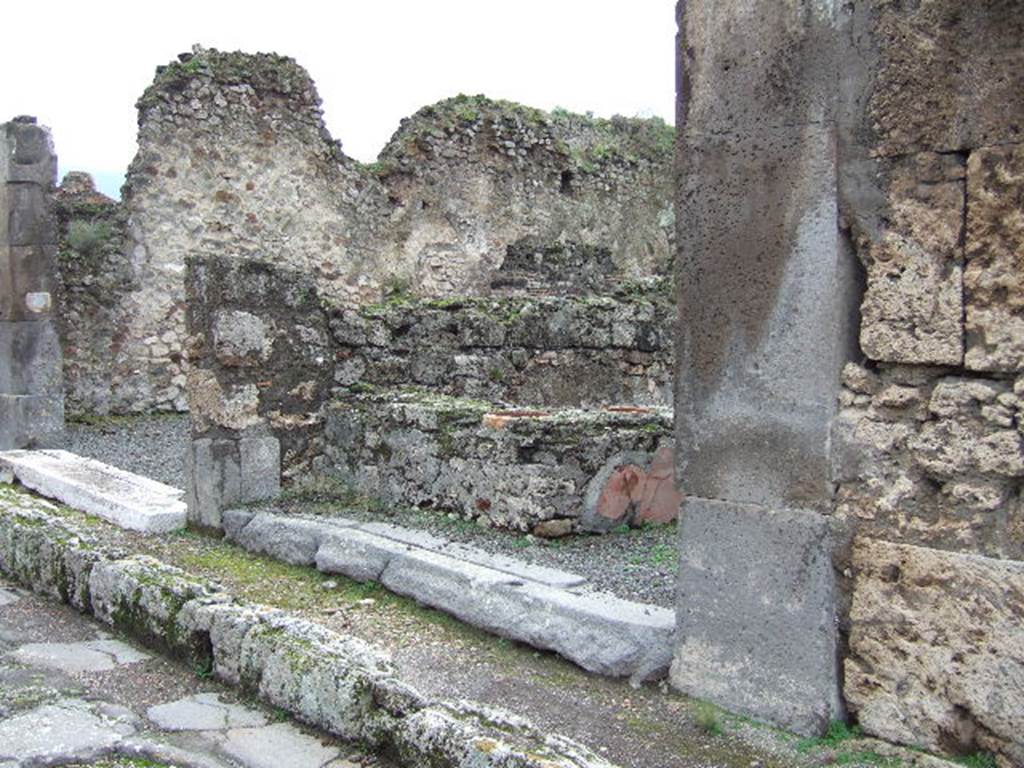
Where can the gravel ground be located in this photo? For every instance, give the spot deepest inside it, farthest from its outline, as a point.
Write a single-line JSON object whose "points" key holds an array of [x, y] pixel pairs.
{"points": [[637, 565], [153, 446]]}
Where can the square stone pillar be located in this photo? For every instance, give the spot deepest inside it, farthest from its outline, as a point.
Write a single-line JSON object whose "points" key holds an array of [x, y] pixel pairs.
{"points": [[31, 379], [768, 294]]}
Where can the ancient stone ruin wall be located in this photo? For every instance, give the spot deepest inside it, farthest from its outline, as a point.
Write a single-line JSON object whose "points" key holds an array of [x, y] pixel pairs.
{"points": [[470, 197], [894, 538], [930, 454], [95, 276]]}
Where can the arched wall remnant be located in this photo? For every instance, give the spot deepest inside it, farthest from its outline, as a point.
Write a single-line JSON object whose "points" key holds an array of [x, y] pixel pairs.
{"points": [[870, 512], [470, 197], [31, 391]]}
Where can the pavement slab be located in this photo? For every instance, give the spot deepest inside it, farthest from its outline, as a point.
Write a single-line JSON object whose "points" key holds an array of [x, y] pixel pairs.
{"points": [[281, 745], [204, 712], [67, 730], [77, 658]]}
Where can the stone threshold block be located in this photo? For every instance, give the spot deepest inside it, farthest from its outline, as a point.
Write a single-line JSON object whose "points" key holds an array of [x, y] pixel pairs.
{"points": [[599, 632], [125, 499], [756, 613], [521, 469]]}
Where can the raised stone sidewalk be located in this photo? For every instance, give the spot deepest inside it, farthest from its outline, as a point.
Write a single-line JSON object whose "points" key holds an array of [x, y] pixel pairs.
{"points": [[332, 682]]}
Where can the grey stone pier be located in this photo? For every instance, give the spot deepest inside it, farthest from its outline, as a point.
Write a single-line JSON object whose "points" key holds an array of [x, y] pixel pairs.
{"points": [[768, 295], [31, 381]]}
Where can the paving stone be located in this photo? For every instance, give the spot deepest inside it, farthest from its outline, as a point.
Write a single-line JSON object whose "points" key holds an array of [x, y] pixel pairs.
{"points": [[74, 658], [55, 734], [204, 712], [281, 745], [125, 499]]}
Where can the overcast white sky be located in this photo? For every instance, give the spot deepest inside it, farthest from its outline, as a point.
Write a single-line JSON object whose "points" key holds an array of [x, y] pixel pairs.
{"points": [[80, 66]]}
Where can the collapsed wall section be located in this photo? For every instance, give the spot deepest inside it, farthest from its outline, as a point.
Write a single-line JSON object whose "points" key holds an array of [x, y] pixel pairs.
{"points": [[471, 197]]}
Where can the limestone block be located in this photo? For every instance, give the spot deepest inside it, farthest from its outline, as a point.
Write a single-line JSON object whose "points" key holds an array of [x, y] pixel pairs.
{"points": [[124, 498], [965, 439], [949, 74], [225, 472], [994, 273], [936, 649], [260, 463], [766, 298], [756, 624], [213, 479], [912, 308], [26, 217]]}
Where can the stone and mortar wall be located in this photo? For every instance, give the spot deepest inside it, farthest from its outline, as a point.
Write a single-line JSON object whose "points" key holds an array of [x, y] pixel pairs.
{"points": [[929, 455], [234, 158], [95, 278], [551, 473], [535, 351], [284, 381]]}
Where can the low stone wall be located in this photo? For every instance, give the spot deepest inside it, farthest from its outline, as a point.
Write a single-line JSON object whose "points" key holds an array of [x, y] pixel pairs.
{"points": [[336, 683], [546, 472], [542, 351]]}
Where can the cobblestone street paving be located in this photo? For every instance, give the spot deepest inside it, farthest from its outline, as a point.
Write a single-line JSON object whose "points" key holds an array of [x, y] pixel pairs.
{"points": [[71, 694]]}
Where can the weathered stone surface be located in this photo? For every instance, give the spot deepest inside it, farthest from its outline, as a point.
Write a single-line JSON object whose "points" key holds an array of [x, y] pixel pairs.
{"points": [[766, 293], [281, 745], [552, 577], [69, 732], [32, 353], [203, 712], [31, 421], [295, 541], [931, 460], [912, 310], [948, 75], [85, 656], [757, 617], [936, 652], [125, 499], [994, 275], [601, 633], [330, 681], [241, 338]]}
